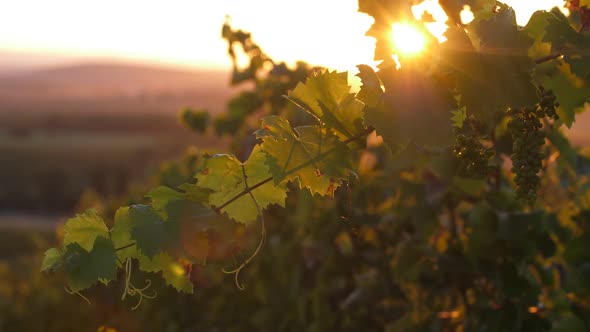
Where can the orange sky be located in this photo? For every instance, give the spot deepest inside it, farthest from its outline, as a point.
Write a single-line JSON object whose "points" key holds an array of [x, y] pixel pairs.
{"points": [[187, 32]]}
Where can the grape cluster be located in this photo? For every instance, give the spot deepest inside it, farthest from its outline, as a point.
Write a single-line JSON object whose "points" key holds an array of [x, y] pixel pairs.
{"points": [[548, 104], [526, 151], [527, 141], [471, 154]]}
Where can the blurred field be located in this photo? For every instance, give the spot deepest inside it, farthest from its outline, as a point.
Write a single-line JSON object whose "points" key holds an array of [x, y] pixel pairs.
{"points": [[94, 127]]}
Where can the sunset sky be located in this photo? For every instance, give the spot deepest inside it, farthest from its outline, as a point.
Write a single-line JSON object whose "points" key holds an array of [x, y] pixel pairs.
{"points": [[187, 32]]}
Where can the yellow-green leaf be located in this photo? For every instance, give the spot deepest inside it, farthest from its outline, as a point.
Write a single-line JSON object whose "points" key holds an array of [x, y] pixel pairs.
{"points": [[84, 229], [227, 177]]}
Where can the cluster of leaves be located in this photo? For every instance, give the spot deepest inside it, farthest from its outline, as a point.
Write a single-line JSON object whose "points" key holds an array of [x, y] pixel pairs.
{"points": [[270, 81], [195, 120], [426, 245], [314, 157]]}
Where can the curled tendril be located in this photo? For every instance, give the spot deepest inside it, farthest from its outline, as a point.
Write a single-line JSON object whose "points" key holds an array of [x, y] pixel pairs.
{"points": [[71, 292], [132, 290], [140, 292], [236, 271]]}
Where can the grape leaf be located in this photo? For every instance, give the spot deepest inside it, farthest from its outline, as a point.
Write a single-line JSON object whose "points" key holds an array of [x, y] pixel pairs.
{"points": [[121, 234], [223, 174], [162, 195], [503, 50], [308, 154], [327, 97], [416, 108], [51, 260], [537, 24], [535, 29], [371, 92], [195, 193], [173, 272], [499, 66], [84, 229], [83, 268], [571, 92], [149, 231], [565, 40], [459, 117]]}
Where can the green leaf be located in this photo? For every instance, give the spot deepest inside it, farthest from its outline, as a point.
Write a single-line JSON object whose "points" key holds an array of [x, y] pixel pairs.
{"points": [[84, 229], [173, 272], [227, 178], [121, 234], [571, 92], [371, 92], [537, 24], [195, 193], [149, 231], [51, 260], [162, 195], [83, 268], [499, 65], [565, 40], [308, 154], [327, 97], [459, 117], [416, 108]]}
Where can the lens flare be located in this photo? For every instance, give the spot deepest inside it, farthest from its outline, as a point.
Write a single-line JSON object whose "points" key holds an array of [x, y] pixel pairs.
{"points": [[407, 40]]}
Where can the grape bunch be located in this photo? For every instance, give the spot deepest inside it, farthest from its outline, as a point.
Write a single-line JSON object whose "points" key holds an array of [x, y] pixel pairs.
{"points": [[471, 154], [527, 141], [527, 157], [548, 105]]}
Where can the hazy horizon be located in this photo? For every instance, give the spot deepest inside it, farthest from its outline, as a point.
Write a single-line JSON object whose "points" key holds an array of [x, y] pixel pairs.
{"points": [[185, 34]]}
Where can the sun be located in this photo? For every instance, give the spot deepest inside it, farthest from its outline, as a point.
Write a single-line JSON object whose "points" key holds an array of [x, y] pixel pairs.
{"points": [[407, 40]]}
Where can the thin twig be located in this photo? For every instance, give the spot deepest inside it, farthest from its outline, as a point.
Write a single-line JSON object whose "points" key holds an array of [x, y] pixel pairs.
{"points": [[125, 246], [548, 58]]}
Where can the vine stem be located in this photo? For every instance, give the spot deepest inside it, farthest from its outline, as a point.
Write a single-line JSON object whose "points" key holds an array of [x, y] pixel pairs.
{"points": [[248, 189], [125, 246], [547, 58]]}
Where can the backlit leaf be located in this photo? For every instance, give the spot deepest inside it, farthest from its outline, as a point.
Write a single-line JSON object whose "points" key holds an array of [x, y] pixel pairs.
{"points": [[83, 268], [371, 92], [151, 233], [84, 229], [327, 97], [162, 195], [51, 260], [308, 154], [174, 273], [227, 178], [121, 234]]}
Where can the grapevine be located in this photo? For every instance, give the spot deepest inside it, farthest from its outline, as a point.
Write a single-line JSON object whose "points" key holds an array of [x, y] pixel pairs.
{"points": [[406, 161]]}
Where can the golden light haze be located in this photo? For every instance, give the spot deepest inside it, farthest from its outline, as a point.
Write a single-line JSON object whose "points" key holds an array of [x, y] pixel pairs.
{"points": [[187, 32]]}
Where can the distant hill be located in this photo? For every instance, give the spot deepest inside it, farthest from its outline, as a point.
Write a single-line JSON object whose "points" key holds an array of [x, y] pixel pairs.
{"points": [[112, 87], [17, 62]]}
